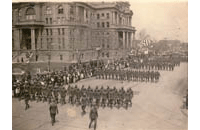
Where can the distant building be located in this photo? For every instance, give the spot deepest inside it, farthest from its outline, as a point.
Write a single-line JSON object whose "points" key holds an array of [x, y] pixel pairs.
{"points": [[69, 32]]}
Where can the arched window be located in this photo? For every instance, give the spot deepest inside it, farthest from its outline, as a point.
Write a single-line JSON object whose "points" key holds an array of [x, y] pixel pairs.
{"points": [[48, 11], [60, 9], [30, 14], [20, 13]]}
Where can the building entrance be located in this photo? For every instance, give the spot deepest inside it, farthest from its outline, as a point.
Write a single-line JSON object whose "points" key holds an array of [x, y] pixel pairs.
{"points": [[26, 39]]}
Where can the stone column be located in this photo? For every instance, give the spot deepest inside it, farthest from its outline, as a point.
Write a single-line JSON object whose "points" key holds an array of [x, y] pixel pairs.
{"points": [[84, 14], [123, 40], [39, 39], [77, 17], [131, 39], [117, 19], [113, 18], [16, 39], [32, 39]]}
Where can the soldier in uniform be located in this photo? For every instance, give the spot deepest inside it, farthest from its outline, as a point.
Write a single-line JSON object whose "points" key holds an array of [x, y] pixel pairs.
{"points": [[104, 97], [26, 97], [53, 110], [49, 96], [63, 96], [91, 95], [83, 103], [93, 117], [78, 95], [55, 93]]}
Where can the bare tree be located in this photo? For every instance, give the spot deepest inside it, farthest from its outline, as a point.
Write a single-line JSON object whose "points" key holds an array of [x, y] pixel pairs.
{"points": [[143, 35]]}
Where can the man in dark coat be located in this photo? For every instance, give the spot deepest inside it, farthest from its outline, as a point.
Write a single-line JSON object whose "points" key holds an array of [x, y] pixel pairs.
{"points": [[93, 116], [26, 97], [53, 110]]}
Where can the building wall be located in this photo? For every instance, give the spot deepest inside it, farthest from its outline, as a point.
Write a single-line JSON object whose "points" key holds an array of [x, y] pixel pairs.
{"points": [[75, 32]]}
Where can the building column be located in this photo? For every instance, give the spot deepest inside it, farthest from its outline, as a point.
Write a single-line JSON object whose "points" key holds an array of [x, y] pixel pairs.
{"points": [[131, 39], [127, 40], [113, 18], [32, 39], [16, 39], [77, 17], [39, 39], [20, 36], [117, 19], [84, 14], [123, 40]]}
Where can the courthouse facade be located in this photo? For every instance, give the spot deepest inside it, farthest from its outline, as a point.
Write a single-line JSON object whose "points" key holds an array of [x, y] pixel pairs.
{"points": [[69, 32]]}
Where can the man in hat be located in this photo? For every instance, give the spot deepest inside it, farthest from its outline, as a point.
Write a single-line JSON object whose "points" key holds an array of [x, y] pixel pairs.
{"points": [[26, 97], [53, 110], [93, 116], [83, 102]]}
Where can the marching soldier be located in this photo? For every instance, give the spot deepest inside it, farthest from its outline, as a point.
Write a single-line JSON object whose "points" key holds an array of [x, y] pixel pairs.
{"points": [[93, 117], [83, 103], [26, 97], [53, 110]]}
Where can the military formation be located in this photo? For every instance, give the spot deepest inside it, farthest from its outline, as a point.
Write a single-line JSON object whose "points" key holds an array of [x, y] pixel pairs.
{"points": [[129, 75], [100, 96], [155, 65]]}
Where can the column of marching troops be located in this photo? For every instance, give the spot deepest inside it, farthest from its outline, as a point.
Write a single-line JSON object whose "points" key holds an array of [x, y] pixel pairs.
{"points": [[155, 65], [103, 97], [130, 75]]}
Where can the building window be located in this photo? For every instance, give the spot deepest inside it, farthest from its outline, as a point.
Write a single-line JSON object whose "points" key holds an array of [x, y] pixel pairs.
{"points": [[102, 14], [36, 58], [107, 15], [59, 20], [60, 10], [49, 57], [50, 20], [47, 32], [108, 24], [73, 56], [108, 54], [102, 24], [103, 45], [61, 57], [30, 14], [51, 40], [47, 43], [102, 54], [46, 20], [108, 46], [59, 43], [58, 31], [98, 25], [63, 31], [71, 10], [63, 43], [63, 19], [41, 43], [48, 10], [98, 16], [51, 31], [86, 15]]}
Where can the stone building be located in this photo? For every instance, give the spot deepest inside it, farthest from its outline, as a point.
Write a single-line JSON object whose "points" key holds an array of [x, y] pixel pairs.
{"points": [[69, 32]]}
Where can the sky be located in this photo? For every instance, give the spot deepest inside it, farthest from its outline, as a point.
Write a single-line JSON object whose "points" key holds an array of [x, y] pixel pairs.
{"points": [[161, 19]]}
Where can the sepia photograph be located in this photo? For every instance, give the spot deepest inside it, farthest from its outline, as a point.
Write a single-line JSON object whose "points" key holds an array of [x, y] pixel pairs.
{"points": [[100, 65]]}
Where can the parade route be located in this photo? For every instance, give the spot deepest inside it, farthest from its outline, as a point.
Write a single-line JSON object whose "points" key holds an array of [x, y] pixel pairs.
{"points": [[156, 106]]}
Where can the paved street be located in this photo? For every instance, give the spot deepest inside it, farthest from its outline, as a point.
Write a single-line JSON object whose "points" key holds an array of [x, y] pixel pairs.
{"points": [[156, 106]]}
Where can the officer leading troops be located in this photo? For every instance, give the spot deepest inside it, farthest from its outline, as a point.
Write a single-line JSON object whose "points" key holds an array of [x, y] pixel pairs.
{"points": [[53, 110], [93, 116]]}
